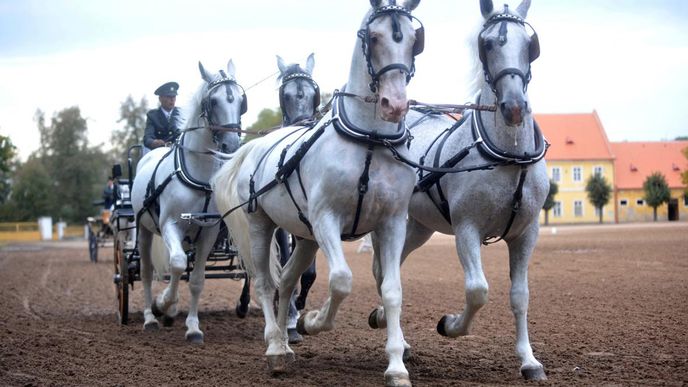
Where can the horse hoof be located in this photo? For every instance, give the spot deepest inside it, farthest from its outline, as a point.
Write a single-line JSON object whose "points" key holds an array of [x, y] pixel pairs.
{"points": [[440, 326], [167, 321], [151, 326], [241, 310], [372, 319], [407, 354], [277, 364], [397, 380], [301, 325], [537, 373], [294, 336], [195, 338], [156, 311]]}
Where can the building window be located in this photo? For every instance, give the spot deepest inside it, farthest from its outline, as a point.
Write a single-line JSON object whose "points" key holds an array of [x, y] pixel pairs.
{"points": [[640, 202], [556, 174], [598, 170], [578, 208], [577, 173], [623, 202], [685, 200], [556, 210], [598, 211]]}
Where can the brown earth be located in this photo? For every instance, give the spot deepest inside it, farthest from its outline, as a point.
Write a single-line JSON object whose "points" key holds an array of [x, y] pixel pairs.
{"points": [[609, 306]]}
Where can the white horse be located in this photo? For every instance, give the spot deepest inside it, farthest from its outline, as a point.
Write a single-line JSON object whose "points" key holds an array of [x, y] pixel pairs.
{"points": [[345, 185], [482, 206], [171, 181], [299, 98]]}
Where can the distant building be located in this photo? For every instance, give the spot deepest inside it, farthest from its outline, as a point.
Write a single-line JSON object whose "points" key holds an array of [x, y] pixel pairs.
{"points": [[578, 149], [634, 162]]}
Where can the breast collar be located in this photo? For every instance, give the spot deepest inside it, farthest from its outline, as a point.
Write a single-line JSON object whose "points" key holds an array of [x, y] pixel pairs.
{"points": [[488, 149], [346, 128], [182, 171]]}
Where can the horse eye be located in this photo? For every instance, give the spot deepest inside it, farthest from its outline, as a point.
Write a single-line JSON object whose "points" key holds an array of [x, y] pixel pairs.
{"points": [[488, 45], [373, 39]]}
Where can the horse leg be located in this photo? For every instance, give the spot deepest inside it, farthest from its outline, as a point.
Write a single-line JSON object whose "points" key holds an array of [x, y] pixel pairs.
{"points": [[416, 236], [327, 233], [194, 335], [278, 352], [282, 239], [166, 302], [145, 237], [307, 280], [287, 315], [476, 289], [520, 251], [390, 246]]}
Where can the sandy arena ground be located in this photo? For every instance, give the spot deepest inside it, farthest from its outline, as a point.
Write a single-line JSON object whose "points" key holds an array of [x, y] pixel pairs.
{"points": [[608, 306]]}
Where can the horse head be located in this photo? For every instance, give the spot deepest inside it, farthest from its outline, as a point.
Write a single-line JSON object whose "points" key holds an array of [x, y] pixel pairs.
{"points": [[390, 53], [222, 106], [506, 50], [299, 95]]}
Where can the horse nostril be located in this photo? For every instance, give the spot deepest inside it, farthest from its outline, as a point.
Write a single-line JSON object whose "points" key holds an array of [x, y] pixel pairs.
{"points": [[384, 102]]}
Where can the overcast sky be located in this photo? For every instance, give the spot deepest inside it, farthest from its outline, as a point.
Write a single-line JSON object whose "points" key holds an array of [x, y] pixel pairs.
{"points": [[626, 59]]}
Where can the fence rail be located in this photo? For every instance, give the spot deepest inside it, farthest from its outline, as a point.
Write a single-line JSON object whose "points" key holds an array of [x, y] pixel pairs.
{"points": [[28, 231]]}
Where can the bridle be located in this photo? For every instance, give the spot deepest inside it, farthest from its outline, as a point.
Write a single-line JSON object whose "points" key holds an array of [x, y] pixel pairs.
{"points": [[533, 49], [206, 107], [364, 34], [299, 75]]}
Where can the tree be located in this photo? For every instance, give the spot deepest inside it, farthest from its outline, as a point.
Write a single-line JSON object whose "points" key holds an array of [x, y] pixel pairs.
{"points": [[133, 117], [77, 171], [656, 191], [599, 192], [684, 174], [267, 119], [32, 193], [8, 153], [549, 201]]}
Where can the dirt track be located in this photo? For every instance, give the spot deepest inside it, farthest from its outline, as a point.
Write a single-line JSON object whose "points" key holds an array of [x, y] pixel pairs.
{"points": [[609, 306]]}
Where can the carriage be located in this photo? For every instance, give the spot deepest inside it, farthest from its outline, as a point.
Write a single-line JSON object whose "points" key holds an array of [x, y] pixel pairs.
{"points": [[223, 260], [98, 232]]}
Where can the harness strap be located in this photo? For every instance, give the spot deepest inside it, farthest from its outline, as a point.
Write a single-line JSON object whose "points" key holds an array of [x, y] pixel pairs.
{"points": [[362, 190], [515, 207]]}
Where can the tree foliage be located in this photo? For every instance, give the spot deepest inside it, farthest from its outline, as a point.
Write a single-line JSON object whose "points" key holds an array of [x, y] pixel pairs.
{"points": [[684, 174], [133, 119], [267, 119], [32, 193], [599, 192], [549, 201], [656, 191], [8, 153]]}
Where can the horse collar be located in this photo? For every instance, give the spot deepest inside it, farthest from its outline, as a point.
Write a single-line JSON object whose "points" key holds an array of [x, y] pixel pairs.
{"points": [[182, 171], [346, 128], [492, 152]]}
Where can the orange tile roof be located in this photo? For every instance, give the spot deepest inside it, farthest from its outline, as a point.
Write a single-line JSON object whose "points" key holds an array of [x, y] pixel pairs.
{"points": [[635, 161], [574, 136]]}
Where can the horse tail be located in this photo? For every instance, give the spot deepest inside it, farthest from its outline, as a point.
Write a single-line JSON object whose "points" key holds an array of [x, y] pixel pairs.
{"points": [[224, 184], [160, 257]]}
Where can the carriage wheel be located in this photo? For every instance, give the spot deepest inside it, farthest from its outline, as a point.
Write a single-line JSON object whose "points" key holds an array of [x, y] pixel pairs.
{"points": [[92, 246], [121, 283]]}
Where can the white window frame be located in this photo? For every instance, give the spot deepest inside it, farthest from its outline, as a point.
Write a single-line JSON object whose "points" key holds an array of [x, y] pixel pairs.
{"points": [[577, 177], [578, 204], [640, 202], [557, 209], [598, 170], [556, 177]]}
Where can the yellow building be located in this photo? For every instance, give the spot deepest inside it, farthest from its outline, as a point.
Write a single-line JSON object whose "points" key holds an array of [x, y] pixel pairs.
{"points": [[634, 162], [578, 149]]}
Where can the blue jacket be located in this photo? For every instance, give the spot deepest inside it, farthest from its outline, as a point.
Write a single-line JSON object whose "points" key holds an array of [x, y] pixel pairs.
{"points": [[158, 127]]}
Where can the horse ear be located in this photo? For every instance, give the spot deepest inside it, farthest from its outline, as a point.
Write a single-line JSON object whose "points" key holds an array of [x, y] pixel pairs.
{"points": [[375, 3], [411, 4], [280, 64], [204, 74], [486, 8], [522, 8], [310, 63], [231, 70]]}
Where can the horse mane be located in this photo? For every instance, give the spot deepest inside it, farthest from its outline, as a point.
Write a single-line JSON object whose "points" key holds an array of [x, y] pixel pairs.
{"points": [[191, 112]]}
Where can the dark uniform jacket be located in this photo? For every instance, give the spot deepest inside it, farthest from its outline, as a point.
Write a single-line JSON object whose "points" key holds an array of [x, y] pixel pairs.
{"points": [[158, 127]]}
